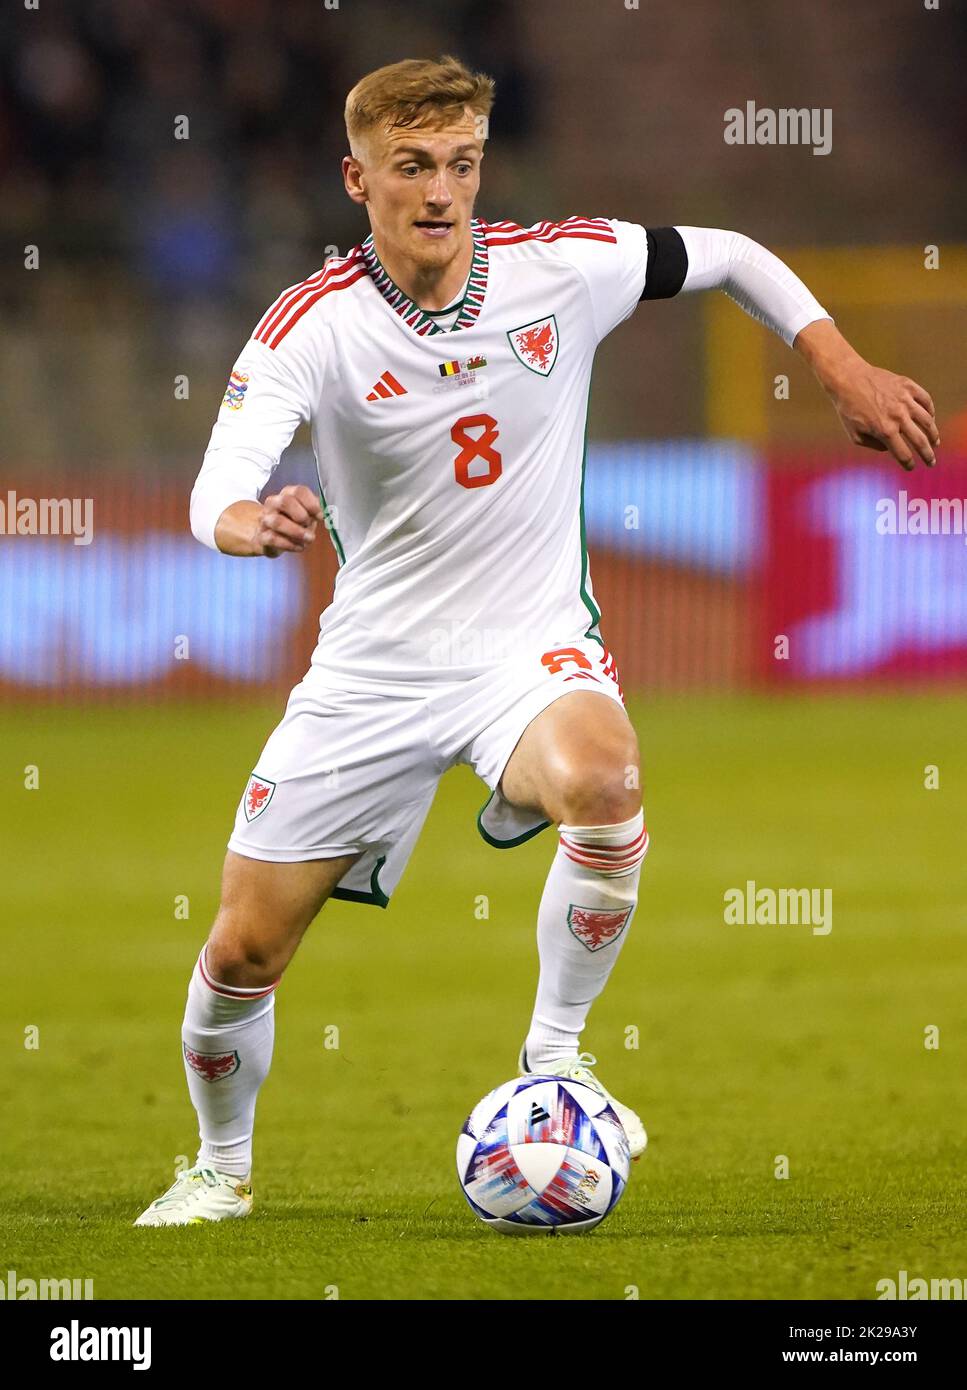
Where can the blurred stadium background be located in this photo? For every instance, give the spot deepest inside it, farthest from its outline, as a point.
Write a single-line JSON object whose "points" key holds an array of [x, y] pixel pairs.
{"points": [[720, 517]]}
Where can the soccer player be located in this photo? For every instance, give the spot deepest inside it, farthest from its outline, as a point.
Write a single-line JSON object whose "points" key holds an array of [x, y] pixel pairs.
{"points": [[444, 366]]}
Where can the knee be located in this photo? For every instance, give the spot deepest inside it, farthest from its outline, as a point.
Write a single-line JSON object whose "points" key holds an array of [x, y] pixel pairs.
{"points": [[238, 954], [599, 789]]}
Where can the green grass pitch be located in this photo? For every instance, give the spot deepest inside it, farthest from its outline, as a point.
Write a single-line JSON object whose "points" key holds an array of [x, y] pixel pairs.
{"points": [[754, 1041]]}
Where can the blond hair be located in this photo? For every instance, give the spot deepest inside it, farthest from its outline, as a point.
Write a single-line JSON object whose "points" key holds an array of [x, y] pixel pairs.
{"points": [[417, 91]]}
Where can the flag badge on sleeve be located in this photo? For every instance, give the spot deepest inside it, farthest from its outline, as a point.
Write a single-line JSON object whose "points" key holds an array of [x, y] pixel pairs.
{"points": [[234, 396]]}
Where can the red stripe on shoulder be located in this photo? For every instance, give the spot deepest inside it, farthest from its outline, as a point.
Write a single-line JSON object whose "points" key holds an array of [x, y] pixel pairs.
{"points": [[283, 299], [293, 302], [581, 228], [312, 299]]}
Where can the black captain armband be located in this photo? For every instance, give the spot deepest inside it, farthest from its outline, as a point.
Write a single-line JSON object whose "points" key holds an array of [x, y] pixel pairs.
{"points": [[667, 263]]}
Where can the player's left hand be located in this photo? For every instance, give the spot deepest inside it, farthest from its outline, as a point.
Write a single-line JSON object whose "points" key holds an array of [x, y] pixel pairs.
{"points": [[883, 411]]}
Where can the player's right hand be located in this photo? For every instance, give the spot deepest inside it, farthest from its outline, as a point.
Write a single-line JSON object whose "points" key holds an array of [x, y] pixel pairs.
{"points": [[288, 520]]}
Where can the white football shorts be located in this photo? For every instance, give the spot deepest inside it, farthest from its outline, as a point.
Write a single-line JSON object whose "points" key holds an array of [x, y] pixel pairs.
{"points": [[346, 772]]}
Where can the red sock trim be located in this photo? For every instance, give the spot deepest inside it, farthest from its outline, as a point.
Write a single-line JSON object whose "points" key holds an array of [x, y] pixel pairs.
{"points": [[595, 857], [232, 991]]}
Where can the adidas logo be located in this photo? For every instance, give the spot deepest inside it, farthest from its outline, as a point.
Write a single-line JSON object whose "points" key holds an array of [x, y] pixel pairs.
{"points": [[538, 1114], [386, 388]]}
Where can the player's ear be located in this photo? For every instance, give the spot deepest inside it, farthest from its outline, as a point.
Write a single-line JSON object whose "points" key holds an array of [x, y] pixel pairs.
{"points": [[352, 173]]}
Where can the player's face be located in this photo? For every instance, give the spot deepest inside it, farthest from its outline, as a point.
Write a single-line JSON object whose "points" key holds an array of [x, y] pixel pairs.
{"points": [[419, 187]]}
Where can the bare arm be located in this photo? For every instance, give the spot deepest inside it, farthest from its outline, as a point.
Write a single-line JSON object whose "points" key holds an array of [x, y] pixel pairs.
{"points": [[879, 409], [284, 522]]}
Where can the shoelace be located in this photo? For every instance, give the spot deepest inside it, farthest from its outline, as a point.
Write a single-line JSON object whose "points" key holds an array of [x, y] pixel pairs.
{"points": [[578, 1069], [179, 1192]]}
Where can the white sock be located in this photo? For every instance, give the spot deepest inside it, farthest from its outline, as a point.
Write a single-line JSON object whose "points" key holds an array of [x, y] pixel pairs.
{"points": [[227, 1038], [586, 909]]}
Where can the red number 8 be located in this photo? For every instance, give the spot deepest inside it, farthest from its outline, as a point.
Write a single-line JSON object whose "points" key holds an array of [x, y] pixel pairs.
{"points": [[473, 448]]}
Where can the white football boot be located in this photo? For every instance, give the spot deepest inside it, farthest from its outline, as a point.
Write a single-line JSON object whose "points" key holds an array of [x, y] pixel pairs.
{"points": [[200, 1194], [579, 1069]]}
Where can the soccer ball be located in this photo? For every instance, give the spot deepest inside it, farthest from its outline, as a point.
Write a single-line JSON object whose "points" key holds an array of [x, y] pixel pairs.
{"points": [[542, 1155]]}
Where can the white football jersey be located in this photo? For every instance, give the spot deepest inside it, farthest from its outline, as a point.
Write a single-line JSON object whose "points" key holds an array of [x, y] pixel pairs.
{"points": [[451, 462]]}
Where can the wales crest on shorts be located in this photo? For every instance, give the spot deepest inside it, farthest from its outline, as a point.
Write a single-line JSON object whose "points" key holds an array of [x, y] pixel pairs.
{"points": [[257, 796]]}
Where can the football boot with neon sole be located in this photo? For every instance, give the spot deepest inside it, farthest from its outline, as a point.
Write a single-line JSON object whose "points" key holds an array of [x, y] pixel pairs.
{"points": [[197, 1195]]}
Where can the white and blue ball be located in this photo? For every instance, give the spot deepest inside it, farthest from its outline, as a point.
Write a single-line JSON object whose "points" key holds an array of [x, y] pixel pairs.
{"points": [[542, 1155]]}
